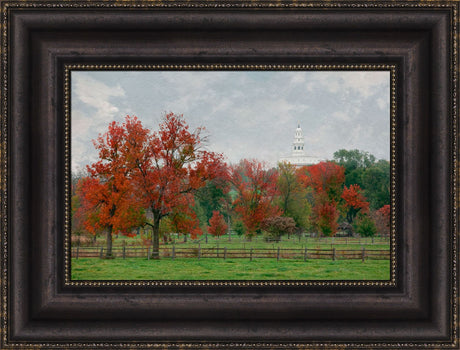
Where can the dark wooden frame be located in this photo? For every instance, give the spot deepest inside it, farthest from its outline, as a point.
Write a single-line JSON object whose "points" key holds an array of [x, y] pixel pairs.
{"points": [[40, 310]]}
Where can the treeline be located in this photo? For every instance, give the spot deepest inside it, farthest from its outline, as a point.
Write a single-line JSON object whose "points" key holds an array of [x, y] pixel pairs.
{"points": [[168, 181]]}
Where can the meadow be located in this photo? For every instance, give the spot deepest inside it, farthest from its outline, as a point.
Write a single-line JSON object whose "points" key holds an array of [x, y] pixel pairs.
{"points": [[210, 268], [230, 269]]}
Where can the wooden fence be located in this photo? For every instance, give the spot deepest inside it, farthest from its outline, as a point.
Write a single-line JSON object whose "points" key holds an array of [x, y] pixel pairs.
{"points": [[235, 253]]}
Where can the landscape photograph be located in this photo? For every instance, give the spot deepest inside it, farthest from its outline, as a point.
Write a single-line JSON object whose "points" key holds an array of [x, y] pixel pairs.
{"points": [[230, 175]]}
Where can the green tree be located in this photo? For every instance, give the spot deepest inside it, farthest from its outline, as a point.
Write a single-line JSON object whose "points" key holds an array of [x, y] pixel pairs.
{"points": [[352, 159], [376, 184], [365, 226], [293, 196], [214, 196], [355, 162], [239, 228], [361, 168]]}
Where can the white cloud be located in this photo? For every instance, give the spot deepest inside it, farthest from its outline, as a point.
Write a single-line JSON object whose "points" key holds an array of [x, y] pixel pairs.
{"points": [[91, 112], [247, 114], [365, 83], [96, 94]]}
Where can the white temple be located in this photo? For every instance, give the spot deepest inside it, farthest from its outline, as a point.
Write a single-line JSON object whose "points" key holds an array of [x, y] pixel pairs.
{"points": [[298, 156]]}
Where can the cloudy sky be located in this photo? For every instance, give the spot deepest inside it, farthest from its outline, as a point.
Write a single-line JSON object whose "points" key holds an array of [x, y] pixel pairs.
{"points": [[246, 114]]}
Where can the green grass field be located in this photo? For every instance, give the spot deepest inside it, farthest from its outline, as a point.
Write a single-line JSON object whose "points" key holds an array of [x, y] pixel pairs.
{"points": [[230, 269], [237, 269]]}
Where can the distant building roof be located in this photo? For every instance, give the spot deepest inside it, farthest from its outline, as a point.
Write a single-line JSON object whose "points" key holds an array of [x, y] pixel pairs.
{"points": [[298, 157]]}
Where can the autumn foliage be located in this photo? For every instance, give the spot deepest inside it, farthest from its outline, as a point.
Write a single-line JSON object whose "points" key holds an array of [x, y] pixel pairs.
{"points": [[107, 198], [354, 201], [217, 225], [325, 215], [156, 171], [256, 189], [144, 178], [326, 179], [184, 220], [278, 226], [382, 218]]}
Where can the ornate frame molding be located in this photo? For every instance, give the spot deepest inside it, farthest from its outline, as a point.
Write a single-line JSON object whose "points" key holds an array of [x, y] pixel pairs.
{"points": [[27, 326]]}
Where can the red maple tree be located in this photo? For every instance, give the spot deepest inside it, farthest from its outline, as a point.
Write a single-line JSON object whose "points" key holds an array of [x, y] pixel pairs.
{"points": [[169, 165], [217, 225], [325, 215], [326, 179], [256, 189], [184, 220], [382, 218], [354, 201], [106, 196]]}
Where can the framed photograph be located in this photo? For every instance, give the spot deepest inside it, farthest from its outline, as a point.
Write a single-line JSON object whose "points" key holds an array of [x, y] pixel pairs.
{"points": [[229, 174], [227, 190]]}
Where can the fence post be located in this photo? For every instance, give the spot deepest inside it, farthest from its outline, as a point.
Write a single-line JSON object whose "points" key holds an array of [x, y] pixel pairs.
{"points": [[278, 254], [363, 253], [148, 253], [78, 248], [305, 254], [333, 254], [372, 240], [199, 252], [250, 255], [101, 253], [225, 253], [173, 255], [124, 252]]}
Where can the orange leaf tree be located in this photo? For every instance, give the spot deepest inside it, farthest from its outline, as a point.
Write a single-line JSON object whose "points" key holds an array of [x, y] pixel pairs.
{"points": [[256, 190], [217, 224], [325, 215], [169, 165], [326, 179], [354, 201], [184, 220], [106, 195]]}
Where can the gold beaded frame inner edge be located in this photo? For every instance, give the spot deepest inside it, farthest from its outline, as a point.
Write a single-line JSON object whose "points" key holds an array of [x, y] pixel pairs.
{"points": [[68, 68]]}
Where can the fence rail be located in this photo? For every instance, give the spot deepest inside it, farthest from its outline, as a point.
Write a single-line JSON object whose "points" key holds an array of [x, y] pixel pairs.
{"points": [[235, 253]]}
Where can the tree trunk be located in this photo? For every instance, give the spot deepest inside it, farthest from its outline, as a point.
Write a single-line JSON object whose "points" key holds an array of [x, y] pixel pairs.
{"points": [[108, 253], [156, 236]]}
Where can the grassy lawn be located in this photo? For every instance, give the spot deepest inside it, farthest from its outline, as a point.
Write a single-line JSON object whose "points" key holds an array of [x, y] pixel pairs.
{"points": [[230, 269]]}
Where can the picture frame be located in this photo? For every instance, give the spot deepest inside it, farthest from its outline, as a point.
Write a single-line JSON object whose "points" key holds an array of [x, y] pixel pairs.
{"points": [[43, 309]]}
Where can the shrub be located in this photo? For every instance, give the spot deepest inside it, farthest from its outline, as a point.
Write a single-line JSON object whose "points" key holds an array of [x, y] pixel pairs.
{"points": [[277, 226], [239, 227], [365, 226]]}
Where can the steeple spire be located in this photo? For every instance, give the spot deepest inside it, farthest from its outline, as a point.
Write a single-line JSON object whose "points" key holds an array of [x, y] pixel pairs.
{"points": [[298, 156], [299, 142]]}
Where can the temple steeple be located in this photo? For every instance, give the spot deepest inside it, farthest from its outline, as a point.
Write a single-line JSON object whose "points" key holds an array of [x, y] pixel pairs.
{"points": [[299, 142], [298, 156]]}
